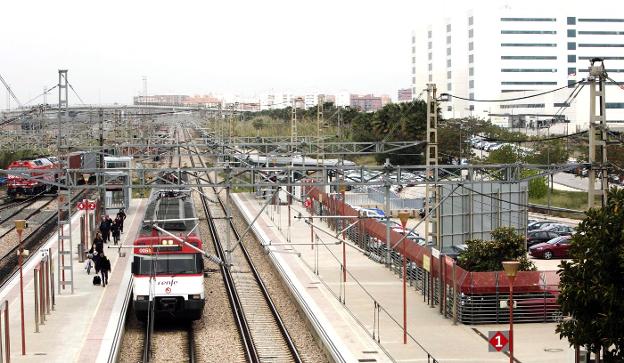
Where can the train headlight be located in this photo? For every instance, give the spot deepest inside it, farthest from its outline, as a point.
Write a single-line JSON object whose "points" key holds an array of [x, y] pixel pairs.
{"points": [[142, 297], [194, 297]]}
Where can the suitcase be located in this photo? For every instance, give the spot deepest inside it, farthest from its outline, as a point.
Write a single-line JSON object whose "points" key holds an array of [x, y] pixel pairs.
{"points": [[97, 280]]}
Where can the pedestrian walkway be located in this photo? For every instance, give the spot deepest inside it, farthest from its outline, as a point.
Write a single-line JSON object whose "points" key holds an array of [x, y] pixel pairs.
{"points": [[369, 309], [82, 325]]}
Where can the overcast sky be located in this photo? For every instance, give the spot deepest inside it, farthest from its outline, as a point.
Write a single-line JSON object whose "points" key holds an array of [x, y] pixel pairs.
{"points": [[247, 47]]}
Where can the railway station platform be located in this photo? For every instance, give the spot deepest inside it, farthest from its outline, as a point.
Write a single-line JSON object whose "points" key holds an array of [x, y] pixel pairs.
{"points": [[362, 320], [82, 326]]}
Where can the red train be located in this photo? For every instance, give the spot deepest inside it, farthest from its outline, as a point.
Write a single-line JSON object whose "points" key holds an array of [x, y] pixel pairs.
{"points": [[18, 186], [168, 275]]}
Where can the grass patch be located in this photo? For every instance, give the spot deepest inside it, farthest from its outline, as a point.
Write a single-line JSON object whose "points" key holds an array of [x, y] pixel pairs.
{"points": [[565, 199]]}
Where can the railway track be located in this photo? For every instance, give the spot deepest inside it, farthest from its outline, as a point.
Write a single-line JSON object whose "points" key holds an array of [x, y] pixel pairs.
{"points": [[169, 343], [31, 241], [21, 205], [263, 333]]}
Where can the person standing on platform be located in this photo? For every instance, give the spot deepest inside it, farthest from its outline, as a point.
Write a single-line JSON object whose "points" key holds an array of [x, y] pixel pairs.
{"points": [[105, 230], [115, 230], [121, 215], [98, 243], [105, 267]]}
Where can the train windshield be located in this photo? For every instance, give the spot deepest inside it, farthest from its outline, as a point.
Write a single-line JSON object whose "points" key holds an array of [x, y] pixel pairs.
{"points": [[170, 264]]}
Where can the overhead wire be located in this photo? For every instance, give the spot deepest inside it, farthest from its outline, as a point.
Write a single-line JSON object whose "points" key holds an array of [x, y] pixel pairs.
{"points": [[511, 99], [76, 93], [44, 93]]}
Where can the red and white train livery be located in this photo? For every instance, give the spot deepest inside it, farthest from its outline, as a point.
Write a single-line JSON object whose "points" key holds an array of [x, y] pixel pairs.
{"points": [[168, 274], [41, 178]]}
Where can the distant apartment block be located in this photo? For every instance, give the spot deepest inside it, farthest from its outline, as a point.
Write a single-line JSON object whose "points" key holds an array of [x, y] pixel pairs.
{"points": [[368, 103], [404, 95], [500, 52], [178, 100]]}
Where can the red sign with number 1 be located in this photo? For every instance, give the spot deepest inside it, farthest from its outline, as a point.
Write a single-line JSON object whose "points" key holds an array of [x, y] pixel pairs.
{"points": [[498, 341]]}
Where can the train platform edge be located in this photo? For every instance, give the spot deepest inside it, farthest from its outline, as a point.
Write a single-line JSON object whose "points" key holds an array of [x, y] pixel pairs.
{"points": [[83, 325]]}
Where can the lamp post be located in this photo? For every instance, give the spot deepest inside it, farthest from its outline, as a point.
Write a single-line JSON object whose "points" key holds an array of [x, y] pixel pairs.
{"points": [[20, 225], [511, 270]]}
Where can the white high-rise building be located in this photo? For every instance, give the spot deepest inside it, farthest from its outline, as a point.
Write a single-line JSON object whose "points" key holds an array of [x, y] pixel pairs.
{"points": [[492, 53]]}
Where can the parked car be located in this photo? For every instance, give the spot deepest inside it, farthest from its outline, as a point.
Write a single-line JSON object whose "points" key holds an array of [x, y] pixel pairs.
{"points": [[540, 236], [555, 248], [454, 250], [537, 225], [559, 228]]}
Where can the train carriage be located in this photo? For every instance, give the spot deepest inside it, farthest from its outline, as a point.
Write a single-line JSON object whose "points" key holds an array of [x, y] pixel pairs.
{"points": [[40, 182], [168, 274]]}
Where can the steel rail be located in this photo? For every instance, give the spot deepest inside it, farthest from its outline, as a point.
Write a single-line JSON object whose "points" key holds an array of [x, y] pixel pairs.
{"points": [[235, 302], [279, 322]]}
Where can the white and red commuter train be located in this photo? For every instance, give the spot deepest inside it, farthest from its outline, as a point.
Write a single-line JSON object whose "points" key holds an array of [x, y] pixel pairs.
{"points": [[41, 180], [168, 275]]}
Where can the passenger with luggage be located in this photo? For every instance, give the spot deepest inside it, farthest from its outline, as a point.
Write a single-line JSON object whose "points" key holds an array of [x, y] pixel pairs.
{"points": [[104, 268], [121, 215]]}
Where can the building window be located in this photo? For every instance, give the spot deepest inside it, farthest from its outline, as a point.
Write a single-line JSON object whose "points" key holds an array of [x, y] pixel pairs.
{"points": [[413, 60], [614, 104], [449, 86], [470, 20], [571, 20], [449, 108], [572, 58], [571, 33], [529, 83], [429, 34], [413, 70], [571, 83], [448, 74], [470, 58], [571, 45], [528, 19], [471, 96], [430, 45], [470, 46], [448, 28], [448, 39], [413, 50], [471, 83], [470, 33], [529, 57], [430, 56], [590, 20], [448, 51], [430, 67], [528, 45], [571, 71], [430, 78], [600, 33], [524, 105], [471, 108], [528, 32], [602, 45], [605, 58], [448, 63], [413, 39], [561, 104], [471, 71], [413, 80], [539, 70]]}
